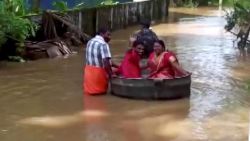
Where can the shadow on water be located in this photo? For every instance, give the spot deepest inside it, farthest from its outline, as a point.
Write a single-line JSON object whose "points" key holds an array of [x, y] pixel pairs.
{"points": [[43, 100]]}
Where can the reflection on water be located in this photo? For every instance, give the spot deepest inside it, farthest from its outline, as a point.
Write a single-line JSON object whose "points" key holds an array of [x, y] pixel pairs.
{"points": [[43, 100]]}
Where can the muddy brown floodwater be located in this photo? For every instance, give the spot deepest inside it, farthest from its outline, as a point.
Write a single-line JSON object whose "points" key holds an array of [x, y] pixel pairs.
{"points": [[43, 101]]}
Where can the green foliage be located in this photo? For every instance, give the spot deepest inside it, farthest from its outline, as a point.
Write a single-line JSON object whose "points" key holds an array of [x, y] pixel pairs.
{"points": [[13, 25], [60, 5], [80, 6], [190, 3], [16, 27], [2, 36], [231, 19], [229, 3], [16, 59], [187, 3], [247, 85], [242, 11], [239, 17], [213, 2], [109, 2], [17, 7], [35, 6]]}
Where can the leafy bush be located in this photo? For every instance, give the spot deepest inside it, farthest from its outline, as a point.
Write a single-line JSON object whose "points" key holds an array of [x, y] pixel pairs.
{"points": [[60, 5], [16, 28], [17, 7], [13, 24], [190, 3], [239, 17], [187, 3], [63, 7]]}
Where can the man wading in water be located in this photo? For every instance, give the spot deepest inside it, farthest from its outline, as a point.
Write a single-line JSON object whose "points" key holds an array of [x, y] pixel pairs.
{"points": [[97, 71]]}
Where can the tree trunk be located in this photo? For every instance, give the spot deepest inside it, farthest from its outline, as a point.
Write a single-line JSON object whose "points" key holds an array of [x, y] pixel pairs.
{"points": [[246, 36]]}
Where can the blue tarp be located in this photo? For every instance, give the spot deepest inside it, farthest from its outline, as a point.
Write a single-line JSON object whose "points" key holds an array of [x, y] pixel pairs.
{"points": [[47, 4]]}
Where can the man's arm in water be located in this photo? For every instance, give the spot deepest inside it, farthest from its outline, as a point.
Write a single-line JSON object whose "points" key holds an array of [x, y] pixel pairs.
{"points": [[107, 66]]}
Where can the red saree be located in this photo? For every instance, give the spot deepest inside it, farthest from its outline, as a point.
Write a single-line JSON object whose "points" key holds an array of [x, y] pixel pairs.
{"points": [[130, 67], [160, 66]]}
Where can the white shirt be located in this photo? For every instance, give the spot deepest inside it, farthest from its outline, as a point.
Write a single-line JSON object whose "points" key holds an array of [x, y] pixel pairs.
{"points": [[97, 50]]}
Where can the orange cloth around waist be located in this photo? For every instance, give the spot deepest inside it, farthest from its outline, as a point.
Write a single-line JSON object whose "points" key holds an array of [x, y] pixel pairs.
{"points": [[95, 80]]}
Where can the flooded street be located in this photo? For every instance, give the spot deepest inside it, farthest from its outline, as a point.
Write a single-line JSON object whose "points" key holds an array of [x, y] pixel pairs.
{"points": [[43, 101]]}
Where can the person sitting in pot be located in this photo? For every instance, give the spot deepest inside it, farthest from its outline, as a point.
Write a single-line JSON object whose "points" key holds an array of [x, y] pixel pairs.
{"points": [[163, 63], [130, 66]]}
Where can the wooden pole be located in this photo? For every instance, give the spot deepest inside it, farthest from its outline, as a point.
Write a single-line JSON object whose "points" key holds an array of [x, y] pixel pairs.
{"points": [[111, 18], [80, 20], [151, 10], [127, 13], [97, 20], [164, 10]]}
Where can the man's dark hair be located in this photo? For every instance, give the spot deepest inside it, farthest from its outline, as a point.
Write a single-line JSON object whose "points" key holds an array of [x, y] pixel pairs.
{"points": [[102, 30], [145, 23]]}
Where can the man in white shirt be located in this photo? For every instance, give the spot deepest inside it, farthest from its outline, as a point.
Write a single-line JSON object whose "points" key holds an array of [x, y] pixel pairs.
{"points": [[97, 69]]}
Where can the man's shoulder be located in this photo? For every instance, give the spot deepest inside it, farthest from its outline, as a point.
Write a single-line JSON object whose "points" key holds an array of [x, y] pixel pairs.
{"points": [[146, 32], [97, 41], [150, 31]]}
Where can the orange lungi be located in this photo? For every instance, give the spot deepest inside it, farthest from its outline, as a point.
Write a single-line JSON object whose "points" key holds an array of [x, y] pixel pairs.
{"points": [[95, 80]]}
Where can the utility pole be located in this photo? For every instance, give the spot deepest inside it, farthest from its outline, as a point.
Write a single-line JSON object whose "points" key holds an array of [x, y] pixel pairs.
{"points": [[220, 4]]}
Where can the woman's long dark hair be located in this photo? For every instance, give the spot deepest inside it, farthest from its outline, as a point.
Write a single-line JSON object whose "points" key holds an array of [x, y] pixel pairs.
{"points": [[161, 42], [137, 42]]}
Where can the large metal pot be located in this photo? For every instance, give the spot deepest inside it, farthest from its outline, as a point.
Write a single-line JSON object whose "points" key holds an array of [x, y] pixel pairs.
{"points": [[151, 88]]}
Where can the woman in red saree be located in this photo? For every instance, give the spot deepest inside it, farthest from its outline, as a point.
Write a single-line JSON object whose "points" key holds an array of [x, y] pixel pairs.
{"points": [[130, 66], [163, 63]]}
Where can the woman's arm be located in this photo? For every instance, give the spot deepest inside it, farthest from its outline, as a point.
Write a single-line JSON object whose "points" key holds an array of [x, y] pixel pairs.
{"points": [[176, 65]]}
